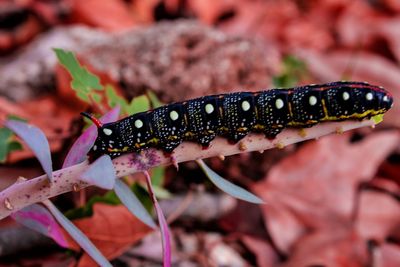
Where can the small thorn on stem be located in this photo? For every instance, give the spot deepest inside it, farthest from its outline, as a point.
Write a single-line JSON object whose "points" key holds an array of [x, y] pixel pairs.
{"points": [[8, 204], [279, 145], [339, 130], [242, 146], [261, 151], [20, 179], [75, 187], [221, 157], [174, 162], [303, 132]]}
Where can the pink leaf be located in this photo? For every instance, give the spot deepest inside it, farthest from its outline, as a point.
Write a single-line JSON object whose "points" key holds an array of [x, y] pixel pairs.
{"points": [[165, 234], [82, 145], [36, 140], [101, 173], [38, 218]]}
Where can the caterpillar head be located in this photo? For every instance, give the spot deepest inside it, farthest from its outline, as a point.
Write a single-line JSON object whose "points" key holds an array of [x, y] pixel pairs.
{"points": [[107, 141]]}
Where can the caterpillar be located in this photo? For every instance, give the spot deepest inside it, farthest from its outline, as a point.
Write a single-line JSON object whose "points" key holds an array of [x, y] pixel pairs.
{"points": [[234, 115]]}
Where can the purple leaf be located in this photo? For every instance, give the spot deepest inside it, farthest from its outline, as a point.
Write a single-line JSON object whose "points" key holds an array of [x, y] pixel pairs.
{"points": [[77, 235], [100, 173], [165, 234], [132, 203], [228, 187], [38, 218], [36, 140], [85, 141]]}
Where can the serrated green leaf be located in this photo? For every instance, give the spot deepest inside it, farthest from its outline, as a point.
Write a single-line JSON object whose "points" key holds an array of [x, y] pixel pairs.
{"points": [[96, 97], [83, 96], [138, 104], [114, 99], [83, 81]]}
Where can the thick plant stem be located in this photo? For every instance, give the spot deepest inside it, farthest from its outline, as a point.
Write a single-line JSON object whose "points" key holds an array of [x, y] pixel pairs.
{"points": [[26, 192]]}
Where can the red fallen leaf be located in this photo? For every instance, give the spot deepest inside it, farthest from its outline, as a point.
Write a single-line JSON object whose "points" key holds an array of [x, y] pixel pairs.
{"points": [[208, 11], [317, 185], [143, 11], [361, 66], [112, 229], [265, 254], [334, 248], [377, 216], [387, 255], [390, 171], [111, 15], [51, 114], [261, 18], [20, 33], [356, 25], [394, 5]]}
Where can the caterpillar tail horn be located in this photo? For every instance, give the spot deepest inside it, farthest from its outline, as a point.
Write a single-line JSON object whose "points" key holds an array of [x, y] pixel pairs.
{"points": [[92, 118]]}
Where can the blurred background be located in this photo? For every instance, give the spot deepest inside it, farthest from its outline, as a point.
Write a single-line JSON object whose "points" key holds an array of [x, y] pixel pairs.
{"points": [[331, 202]]}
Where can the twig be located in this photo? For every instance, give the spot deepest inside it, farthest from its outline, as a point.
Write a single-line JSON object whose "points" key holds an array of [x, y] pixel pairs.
{"points": [[25, 193]]}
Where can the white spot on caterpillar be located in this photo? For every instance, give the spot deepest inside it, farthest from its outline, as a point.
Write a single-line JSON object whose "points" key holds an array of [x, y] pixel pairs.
{"points": [[245, 105], [369, 96], [209, 108], [138, 124], [386, 98], [94, 148], [107, 131], [279, 103], [346, 96], [174, 115], [312, 100]]}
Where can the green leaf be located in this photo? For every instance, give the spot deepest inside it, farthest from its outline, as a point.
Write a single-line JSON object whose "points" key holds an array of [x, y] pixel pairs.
{"points": [[294, 70], [161, 192], [155, 102], [114, 99], [138, 104], [83, 82], [87, 210], [157, 176], [7, 144]]}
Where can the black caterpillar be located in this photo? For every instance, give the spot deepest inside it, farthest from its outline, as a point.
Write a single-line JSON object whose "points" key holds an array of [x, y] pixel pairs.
{"points": [[234, 115]]}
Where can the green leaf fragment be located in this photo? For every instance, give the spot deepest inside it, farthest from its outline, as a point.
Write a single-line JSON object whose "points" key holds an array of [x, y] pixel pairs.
{"points": [[7, 144], [138, 104], [155, 102], [83, 81]]}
